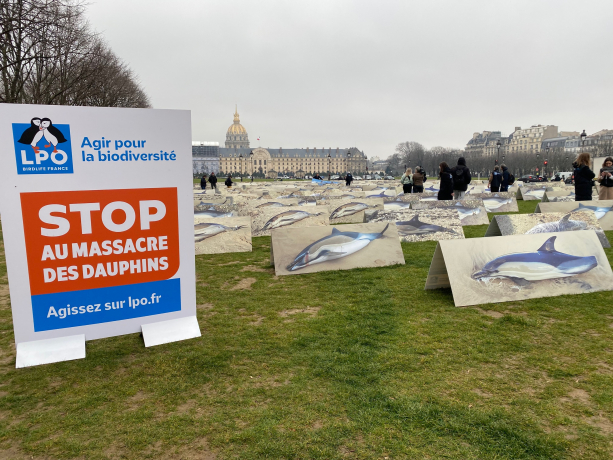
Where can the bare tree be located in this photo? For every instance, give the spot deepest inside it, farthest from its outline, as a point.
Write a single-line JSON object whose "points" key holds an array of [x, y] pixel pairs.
{"points": [[49, 55]]}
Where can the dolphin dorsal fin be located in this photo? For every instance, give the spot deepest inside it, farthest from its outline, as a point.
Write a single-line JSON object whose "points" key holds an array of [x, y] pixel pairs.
{"points": [[415, 218], [566, 218], [549, 245], [335, 230]]}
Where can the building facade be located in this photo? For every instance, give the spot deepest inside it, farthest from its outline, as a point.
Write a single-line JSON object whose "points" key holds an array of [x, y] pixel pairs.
{"points": [[236, 136], [486, 144], [292, 162], [530, 140], [205, 157]]}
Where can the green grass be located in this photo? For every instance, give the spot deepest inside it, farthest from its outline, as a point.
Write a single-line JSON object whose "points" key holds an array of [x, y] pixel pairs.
{"points": [[360, 364]]}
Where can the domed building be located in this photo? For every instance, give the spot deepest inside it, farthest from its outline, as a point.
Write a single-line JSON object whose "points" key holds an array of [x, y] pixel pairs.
{"points": [[236, 136]]}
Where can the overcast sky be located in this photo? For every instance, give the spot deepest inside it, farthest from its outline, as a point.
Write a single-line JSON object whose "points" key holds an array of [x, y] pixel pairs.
{"points": [[369, 74]]}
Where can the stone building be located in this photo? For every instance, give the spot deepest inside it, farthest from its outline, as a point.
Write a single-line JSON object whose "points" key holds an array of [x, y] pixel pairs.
{"points": [[530, 140], [205, 157], [485, 144], [293, 162], [236, 136]]}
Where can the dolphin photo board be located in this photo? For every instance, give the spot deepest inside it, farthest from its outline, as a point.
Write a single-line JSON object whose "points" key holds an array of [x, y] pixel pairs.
{"points": [[498, 202], [602, 208], [532, 192], [424, 225], [519, 267], [551, 222], [353, 211], [97, 219], [558, 193], [206, 209], [296, 251], [294, 216], [470, 211], [222, 235]]}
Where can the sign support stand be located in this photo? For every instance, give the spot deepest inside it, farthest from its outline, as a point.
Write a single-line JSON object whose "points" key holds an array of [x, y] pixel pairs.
{"points": [[169, 331], [49, 351]]}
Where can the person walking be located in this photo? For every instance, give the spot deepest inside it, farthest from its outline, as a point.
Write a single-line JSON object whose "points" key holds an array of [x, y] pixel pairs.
{"points": [[203, 182], [228, 181], [495, 180], [418, 180], [584, 177], [407, 181], [213, 181], [461, 179], [506, 178], [348, 179], [446, 185], [606, 180]]}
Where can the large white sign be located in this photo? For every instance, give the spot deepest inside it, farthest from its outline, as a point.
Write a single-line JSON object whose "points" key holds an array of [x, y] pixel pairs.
{"points": [[97, 218]]}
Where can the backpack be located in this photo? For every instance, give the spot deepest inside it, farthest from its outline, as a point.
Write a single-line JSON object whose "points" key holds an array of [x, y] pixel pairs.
{"points": [[496, 179], [511, 179], [458, 177]]}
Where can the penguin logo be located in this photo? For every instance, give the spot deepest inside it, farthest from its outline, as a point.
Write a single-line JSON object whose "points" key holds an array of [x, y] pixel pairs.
{"points": [[38, 129], [41, 134]]}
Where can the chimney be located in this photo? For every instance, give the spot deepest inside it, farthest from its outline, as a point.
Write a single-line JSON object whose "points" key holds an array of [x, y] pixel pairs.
{"points": [[517, 128]]}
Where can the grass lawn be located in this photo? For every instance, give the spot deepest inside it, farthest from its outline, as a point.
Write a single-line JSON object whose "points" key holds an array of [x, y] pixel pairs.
{"points": [[360, 364]]}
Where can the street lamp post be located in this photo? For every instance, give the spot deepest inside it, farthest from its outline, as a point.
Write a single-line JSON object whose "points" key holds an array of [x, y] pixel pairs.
{"points": [[329, 160], [240, 165], [348, 158], [251, 157], [498, 144], [546, 156], [537, 163]]}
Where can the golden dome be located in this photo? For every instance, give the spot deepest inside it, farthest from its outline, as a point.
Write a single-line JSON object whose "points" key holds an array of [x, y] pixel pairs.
{"points": [[236, 127]]}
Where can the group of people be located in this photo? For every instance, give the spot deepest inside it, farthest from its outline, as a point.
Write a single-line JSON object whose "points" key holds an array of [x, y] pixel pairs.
{"points": [[584, 178], [212, 181], [413, 182]]}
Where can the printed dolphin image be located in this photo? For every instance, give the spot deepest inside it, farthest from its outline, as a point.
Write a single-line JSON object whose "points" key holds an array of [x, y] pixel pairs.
{"points": [[464, 211], [349, 209], [212, 213], [334, 246], [429, 198], [273, 204], [537, 193], [380, 195], [432, 188], [562, 225], [600, 211], [495, 202], [545, 264], [206, 230], [287, 218], [202, 203], [416, 227], [396, 205]]}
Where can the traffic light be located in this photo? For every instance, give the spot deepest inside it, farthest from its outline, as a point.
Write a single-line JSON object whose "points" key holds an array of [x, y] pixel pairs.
{"points": [[545, 162]]}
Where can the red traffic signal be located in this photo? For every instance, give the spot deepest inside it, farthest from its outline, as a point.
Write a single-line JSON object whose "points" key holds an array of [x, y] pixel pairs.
{"points": [[545, 162]]}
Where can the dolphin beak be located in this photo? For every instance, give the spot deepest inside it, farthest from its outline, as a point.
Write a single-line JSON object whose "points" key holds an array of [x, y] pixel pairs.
{"points": [[479, 275]]}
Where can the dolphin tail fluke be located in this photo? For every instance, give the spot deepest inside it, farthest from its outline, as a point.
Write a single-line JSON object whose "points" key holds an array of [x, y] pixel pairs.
{"points": [[380, 235], [549, 245]]}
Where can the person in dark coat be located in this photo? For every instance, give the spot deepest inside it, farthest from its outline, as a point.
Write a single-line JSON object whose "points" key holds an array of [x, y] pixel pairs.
{"points": [[495, 180], [446, 187], [203, 182], [583, 178], [348, 179], [228, 181], [504, 187], [213, 181], [606, 180], [461, 179]]}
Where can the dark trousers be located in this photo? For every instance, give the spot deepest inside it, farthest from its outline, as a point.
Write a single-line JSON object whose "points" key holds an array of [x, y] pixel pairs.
{"points": [[406, 188], [442, 196], [583, 197], [418, 189], [495, 188]]}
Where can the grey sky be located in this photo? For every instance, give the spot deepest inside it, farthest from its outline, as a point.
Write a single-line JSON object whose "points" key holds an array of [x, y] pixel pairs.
{"points": [[369, 74]]}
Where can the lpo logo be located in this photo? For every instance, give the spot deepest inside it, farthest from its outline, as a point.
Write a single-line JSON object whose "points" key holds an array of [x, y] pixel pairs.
{"points": [[42, 147]]}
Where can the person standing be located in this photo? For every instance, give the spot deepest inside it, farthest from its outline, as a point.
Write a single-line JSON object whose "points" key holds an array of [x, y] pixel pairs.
{"points": [[606, 180], [203, 182], [446, 186], [228, 181], [506, 177], [461, 179], [213, 181], [348, 179], [407, 181], [584, 177], [495, 180], [418, 180]]}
